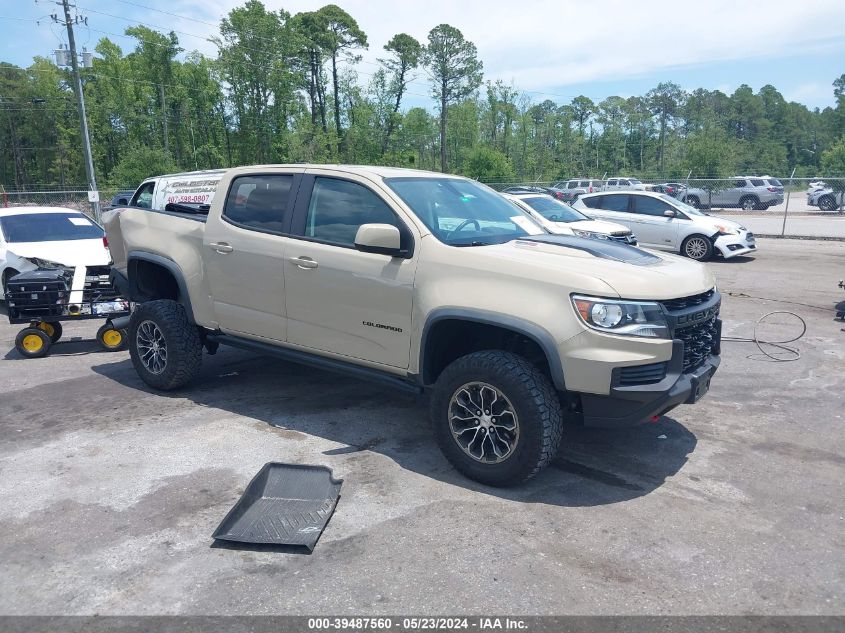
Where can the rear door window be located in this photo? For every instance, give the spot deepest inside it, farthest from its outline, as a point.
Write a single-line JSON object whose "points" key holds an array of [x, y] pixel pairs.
{"points": [[615, 202], [774, 182], [259, 202], [592, 202], [611, 183], [739, 184], [758, 182]]}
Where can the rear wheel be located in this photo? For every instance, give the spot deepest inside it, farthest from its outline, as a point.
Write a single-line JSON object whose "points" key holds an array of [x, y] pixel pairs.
{"points": [[32, 342], [496, 417], [693, 201], [53, 330], [697, 247], [165, 348], [749, 203]]}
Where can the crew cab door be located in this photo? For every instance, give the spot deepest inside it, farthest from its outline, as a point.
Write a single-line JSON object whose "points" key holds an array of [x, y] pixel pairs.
{"points": [[341, 300], [653, 227], [244, 251]]}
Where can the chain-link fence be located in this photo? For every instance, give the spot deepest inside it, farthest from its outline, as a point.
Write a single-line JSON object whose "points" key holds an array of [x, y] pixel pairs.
{"points": [[75, 198], [812, 207]]}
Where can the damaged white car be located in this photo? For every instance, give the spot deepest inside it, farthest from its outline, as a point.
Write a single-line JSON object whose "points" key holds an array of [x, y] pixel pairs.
{"points": [[33, 238]]}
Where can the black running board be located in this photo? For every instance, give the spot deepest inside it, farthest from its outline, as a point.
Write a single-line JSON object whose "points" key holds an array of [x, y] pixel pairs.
{"points": [[320, 362]]}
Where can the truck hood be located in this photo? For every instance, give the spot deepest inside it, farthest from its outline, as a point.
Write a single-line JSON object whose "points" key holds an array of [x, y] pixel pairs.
{"points": [[68, 253], [633, 273]]}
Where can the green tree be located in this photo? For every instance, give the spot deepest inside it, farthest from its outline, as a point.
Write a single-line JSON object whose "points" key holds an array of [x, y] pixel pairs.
{"points": [[455, 70], [140, 162], [665, 100], [342, 35], [488, 165], [405, 56]]}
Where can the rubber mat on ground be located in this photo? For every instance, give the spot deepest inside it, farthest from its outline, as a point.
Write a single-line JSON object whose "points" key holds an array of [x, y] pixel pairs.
{"points": [[284, 504]]}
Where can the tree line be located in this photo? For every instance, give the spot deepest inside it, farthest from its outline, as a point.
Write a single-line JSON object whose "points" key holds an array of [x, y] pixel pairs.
{"points": [[291, 88]]}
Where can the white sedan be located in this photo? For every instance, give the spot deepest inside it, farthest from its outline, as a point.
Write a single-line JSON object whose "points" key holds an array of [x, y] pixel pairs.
{"points": [[558, 217], [51, 237]]}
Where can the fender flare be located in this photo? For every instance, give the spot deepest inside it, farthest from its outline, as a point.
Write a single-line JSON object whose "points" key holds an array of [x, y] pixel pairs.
{"points": [[183, 298], [529, 330]]}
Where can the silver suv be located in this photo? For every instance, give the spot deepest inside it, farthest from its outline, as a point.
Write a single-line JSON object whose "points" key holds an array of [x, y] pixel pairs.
{"points": [[575, 188], [745, 192]]}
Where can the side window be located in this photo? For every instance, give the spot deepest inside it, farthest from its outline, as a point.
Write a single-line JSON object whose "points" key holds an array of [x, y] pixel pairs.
{"points": [[143, 198], [572, 184], [624, 183], [758, 182], [593, 202], [611, 183], [338, 207], [584, 183], [739, 184], [646, 205], [258, 202], [615, 202]]}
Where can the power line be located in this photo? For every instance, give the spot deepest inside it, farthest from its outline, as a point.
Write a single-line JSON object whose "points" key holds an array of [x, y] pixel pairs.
{"points": [[175, 15]]}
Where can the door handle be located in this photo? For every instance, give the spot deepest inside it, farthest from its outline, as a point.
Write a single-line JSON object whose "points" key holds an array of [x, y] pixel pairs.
{"points": [[221, 247], [304, 262]]}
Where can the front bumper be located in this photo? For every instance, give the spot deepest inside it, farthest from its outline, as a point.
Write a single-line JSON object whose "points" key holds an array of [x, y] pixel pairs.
{"points": [[634, 404], [734, 245]]}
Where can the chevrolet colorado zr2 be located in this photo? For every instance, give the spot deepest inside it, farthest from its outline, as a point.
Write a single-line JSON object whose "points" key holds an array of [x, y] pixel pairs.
{"points": [[426, 282]]}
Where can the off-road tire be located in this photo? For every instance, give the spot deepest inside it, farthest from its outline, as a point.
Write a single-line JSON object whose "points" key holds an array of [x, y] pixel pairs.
{"points": [[697, 254], [26, 350], [749, 203], [182, 340], [534, 400]]}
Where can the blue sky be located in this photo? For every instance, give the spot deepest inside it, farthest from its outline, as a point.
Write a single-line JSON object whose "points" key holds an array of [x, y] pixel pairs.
{"points": [[550, 49]]}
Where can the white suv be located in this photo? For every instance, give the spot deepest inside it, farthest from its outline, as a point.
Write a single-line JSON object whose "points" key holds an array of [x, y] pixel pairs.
{"points": [[665, 223], [624, 184]]}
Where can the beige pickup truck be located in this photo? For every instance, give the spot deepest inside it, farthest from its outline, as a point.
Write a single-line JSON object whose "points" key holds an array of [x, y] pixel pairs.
{"points": [[425, 282]]}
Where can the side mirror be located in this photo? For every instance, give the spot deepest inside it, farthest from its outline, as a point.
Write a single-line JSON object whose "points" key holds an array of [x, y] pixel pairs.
{"points": [[669, 213], [383, 239]]}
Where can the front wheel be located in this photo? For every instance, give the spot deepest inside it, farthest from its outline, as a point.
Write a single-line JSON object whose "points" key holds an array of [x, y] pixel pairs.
{"points": [[697, 247], [693, 201], [496, 417], [165, 348], [827, 203], [32, 342]]}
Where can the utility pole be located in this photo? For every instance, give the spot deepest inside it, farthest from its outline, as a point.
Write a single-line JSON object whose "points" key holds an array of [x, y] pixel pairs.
{"points": [[93, 193]]}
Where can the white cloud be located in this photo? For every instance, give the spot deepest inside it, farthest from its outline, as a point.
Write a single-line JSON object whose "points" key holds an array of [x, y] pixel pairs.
{"points": [[542, 43]]}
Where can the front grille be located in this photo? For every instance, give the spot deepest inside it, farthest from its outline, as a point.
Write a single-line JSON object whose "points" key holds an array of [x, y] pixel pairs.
{"points": [[687, 302], [700, 340], [642, 374]]}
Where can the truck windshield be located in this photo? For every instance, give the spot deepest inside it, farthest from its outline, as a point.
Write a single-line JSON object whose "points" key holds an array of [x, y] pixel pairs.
{"points": [[460, 212], [48, 227], [554, 210]]}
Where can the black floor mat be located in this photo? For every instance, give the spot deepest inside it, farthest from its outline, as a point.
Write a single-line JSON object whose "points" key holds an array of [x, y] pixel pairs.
{"points": [[284, 504]]}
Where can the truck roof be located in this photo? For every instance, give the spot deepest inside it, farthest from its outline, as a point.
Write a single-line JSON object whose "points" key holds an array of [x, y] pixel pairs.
{"points": [[363, 170]]}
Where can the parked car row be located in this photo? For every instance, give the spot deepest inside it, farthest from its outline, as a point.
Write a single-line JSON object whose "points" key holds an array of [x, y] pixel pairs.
{"points": [[744, 192]]}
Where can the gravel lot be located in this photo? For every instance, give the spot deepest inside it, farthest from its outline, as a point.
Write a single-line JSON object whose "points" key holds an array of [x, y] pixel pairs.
{"points": [[109, 493]]}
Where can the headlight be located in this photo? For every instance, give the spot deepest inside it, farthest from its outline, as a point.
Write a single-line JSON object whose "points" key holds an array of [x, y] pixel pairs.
{"points": [[44, 263], [726, 230], [596, 236], [617, 316]]}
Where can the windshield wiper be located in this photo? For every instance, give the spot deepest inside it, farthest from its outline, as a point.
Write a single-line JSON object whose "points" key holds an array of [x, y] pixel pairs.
{"points": [[475, 243]]}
